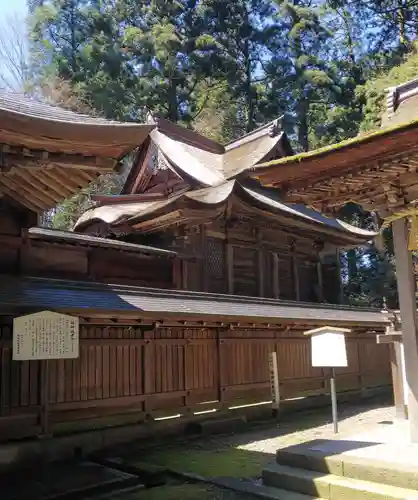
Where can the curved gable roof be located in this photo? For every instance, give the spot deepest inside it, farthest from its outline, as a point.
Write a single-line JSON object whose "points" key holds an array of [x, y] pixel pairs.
{"points": [[209, 202]]}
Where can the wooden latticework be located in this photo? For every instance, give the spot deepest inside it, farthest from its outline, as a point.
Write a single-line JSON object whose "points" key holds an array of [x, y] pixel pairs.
{"points": [[215, 258]]}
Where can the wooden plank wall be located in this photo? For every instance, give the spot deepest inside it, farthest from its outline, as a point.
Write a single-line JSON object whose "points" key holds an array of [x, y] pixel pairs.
{"points": [[63, 260], [130, 370], [251, 261]]}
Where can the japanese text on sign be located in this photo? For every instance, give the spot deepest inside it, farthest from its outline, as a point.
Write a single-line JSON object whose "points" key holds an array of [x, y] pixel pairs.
{"points": [[45, 335]]}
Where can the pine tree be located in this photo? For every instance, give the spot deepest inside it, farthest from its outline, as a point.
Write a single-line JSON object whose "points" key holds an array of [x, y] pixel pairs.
{"points": [[301, 76], [169, 52], [240, 34]]}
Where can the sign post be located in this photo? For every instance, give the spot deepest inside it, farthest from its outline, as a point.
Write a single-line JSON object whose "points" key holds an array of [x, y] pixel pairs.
{"points": [[333, 389], [329, 351], [274, 382], [44, 336]]}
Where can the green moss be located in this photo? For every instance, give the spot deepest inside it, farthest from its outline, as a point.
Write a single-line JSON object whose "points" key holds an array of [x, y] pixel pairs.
{"points": [[175, 492], [301, 157], [231, 462], [374, 91]]}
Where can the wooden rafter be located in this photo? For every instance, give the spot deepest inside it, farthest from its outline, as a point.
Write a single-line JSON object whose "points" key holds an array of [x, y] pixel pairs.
{"points": [[24, 157]]}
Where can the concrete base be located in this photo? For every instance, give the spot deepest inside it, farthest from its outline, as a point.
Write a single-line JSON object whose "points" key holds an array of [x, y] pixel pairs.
{"points": [[378, 465]]}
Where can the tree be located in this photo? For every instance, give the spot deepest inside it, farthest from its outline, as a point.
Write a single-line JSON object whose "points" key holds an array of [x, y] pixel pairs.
{"points": [[68, 212], [15, 71], [79, 42], [396, 22], [239, 33], [300, 76]]}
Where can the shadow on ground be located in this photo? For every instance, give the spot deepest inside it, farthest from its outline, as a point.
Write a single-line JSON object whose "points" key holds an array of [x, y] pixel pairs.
{"points": [[237, 455]]}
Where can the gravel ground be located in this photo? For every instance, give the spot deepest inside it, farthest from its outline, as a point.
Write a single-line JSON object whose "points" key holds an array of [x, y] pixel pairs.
{"points": [[352, 420]]}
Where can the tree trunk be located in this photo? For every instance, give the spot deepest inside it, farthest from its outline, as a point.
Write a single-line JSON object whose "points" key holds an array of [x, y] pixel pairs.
{"points": [[173, 112], [402, 14], [248, 80], [303, 131]]}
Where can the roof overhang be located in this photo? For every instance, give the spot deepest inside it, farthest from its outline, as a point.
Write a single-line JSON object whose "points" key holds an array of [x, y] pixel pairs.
{"points": [[84, 240], [82, 298], [204, 205], [49, 153], [378, 171]]}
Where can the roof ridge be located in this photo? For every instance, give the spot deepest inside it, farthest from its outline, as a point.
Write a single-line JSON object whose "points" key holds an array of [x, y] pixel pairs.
{"points": [[272, 128]]}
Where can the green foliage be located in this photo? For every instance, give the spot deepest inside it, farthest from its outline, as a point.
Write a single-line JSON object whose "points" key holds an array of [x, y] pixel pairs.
{"points": [[67, 213], [224, 68]]}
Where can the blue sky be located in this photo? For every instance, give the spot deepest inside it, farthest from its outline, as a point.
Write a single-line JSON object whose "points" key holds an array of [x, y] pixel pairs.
{"points": [[10, 6]]}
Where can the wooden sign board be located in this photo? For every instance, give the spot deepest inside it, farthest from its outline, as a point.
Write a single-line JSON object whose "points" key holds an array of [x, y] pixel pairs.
{"points": [[328, 347], [45, 335]]}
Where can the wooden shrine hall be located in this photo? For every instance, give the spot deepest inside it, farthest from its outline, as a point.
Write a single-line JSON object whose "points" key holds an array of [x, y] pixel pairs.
{"points": [[235, 236], [182, 285]]}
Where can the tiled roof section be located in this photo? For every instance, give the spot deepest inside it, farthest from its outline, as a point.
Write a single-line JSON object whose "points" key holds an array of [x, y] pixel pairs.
{"points": [[265, 199], [213, 164], [41, 233], [36, 125], [269, 198], [59, 295], [203, 167], [25, 105]]}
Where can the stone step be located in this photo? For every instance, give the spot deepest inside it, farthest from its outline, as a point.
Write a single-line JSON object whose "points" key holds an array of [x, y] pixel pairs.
{"points": [[349, 466], [260, 490], [330, 486]]}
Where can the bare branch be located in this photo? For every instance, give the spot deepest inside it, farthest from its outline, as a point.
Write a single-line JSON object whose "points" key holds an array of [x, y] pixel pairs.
{"points": [[14, 53]]}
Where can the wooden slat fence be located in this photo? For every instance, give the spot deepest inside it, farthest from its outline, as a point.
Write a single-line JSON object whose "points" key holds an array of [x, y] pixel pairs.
{"points": [[152, 372]]}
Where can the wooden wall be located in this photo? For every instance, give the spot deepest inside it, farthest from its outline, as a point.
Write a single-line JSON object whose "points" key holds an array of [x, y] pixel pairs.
{"points": [[65, 260], [254, 261], [127, 369]]}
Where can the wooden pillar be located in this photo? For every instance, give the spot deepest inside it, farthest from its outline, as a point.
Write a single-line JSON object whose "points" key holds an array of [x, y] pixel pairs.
{"points": [[407, 302], [320, 281], [229, 260], [296, 277], [276, 281], [178, 273], [397, 380], [203, 260], [230, 267], [393, 339], [260, 263], [44, 364]]}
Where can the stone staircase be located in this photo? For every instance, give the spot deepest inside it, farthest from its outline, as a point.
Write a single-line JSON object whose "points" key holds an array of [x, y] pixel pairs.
{"points": [[303, 474]]}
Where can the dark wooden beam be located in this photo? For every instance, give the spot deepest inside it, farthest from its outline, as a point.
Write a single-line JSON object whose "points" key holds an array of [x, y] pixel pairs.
{"points": [[23, 157], [260, 263]]}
